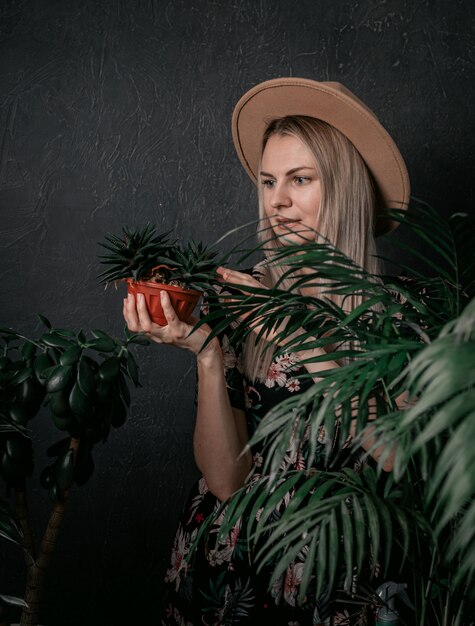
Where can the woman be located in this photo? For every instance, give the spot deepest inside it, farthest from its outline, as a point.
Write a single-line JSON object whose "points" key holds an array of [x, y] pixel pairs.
{"points": [[322, 163]]}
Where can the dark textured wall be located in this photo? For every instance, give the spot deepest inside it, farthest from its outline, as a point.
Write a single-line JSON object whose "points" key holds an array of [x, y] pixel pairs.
{"points": [[116, 112]]}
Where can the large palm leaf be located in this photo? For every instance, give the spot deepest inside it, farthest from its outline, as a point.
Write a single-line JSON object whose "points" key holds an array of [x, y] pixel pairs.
{"points": [[406, 336]]}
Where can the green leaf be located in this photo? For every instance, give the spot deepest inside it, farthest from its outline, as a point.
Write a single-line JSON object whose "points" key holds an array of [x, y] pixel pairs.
{"points": [[54, 493], [44, 320], [139, 339], [78, 401], [13, 601], [132, 369], [28, 349], [124, 390], [22, 375], [60, 378], [31, 393], [333, 548], [12, 471], [86, 378], [374, 530], [347, 533], [42, 363], [59, 403], [65, 423], [19, 449], [319, 559], [99, 334], [47, 477], [55, 340], [71, 355], [359, 530], [64, 470], [109, 369], [103, 344]]}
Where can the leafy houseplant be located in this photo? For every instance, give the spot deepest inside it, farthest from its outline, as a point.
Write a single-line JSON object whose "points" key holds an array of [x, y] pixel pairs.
{"points": [[150, 262], [82, 380], [412, 337]]}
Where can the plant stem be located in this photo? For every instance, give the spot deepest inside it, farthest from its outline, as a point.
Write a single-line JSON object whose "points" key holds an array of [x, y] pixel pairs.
{"points": [[37, 570]]}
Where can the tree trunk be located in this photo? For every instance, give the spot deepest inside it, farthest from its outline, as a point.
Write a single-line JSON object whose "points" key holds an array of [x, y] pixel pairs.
{"points": [[36, 570]]}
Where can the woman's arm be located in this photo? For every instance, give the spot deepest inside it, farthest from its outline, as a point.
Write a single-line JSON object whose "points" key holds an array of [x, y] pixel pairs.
{"points": [[220, 431]]}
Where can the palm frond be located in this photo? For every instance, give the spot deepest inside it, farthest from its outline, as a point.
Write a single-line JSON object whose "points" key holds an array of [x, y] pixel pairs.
{"points": [[412, 334]]}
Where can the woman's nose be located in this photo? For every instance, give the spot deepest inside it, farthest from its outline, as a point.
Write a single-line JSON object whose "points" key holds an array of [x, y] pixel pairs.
{"points": [[280, 197]]}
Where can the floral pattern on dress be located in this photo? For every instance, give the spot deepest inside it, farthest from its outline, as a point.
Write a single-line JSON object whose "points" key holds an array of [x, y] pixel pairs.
{"points": [[279, 372], [221, 586]]}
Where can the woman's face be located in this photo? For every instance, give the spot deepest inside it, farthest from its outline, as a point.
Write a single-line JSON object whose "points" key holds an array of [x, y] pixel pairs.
{"points": [[291, 189]]}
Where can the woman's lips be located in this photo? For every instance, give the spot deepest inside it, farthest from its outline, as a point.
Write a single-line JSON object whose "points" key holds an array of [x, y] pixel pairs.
{"points": [[283, 222]]}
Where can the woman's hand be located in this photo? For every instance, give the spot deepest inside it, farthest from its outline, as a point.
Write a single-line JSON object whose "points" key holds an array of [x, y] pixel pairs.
{"points": [[242, 281], [176, 332], [255, 322], [239, 280]]}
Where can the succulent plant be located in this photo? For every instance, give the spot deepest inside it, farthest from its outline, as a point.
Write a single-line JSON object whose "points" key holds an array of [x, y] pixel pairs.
{"points": [[147, 255], [193, 265], [135, 254], [80, 381]]}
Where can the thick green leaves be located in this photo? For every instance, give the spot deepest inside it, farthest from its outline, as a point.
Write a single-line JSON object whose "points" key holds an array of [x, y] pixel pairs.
{"points": [[109, 369], [30, 392], [42, 363], [55, 340], [64, 470], [86, 377], [78, 401], [132, 369], [85, 381], [102, 344], [47, 478], [59, 403], [60, 378], [71, 355]]}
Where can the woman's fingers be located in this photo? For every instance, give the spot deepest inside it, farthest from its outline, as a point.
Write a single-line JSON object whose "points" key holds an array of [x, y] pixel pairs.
{"points": [[129, 312], [175, 332], [168, 310], [234, 277], [143, 314], [138, 319]]}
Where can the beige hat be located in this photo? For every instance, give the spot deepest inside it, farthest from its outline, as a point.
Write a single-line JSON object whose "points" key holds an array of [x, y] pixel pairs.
{"points": [[336, 105]]}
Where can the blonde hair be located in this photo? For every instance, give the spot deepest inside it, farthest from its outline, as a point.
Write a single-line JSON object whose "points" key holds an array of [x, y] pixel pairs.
{"points": [[345, 216]]}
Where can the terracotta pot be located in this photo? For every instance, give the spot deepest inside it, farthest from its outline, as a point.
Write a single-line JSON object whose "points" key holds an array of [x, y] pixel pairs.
{"points": [[183, 301]]}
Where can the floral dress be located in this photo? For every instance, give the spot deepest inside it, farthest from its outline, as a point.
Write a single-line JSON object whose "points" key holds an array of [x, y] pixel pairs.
{"points": [[219, 586]]}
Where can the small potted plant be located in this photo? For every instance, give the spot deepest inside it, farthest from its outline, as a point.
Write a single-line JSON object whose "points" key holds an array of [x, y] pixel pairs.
{"points": [[150, 262]]}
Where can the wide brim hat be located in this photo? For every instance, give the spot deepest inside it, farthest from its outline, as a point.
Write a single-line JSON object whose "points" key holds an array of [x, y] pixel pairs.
{"points": [[333, 103]]}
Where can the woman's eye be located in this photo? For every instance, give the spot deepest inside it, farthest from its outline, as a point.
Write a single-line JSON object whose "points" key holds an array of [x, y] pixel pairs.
{"points": [[268, 183], [301, 180]]}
